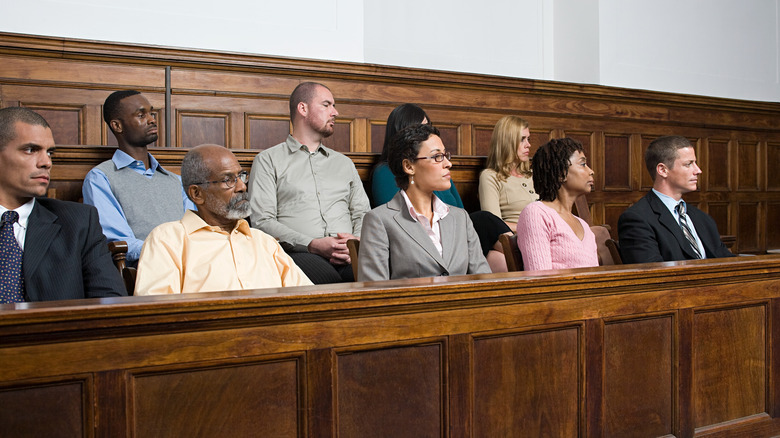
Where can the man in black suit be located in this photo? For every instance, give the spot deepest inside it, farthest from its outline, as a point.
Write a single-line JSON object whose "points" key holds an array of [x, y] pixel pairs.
{"points": [[61, 244], [661, 226]]}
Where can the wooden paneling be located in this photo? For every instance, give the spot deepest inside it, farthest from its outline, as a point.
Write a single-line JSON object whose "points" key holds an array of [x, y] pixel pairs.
{"points": [[748, 217], [730, 364], [528, 384], [234, 400], [773, 230], [264, 132], [721, 212], [392, 392], [617, 163], [639, 377], [747, 166], [772, 175], [645, 350], [241, 101], [47, 409], [718, 164], [196, 128]]}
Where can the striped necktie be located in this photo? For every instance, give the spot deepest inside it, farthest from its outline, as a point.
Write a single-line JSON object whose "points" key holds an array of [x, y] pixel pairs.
{"points": [[11, 279], [680, 208]]}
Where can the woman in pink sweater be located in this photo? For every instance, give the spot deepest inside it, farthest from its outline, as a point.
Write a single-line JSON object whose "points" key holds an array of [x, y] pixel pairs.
{"points": [[549, 235]]}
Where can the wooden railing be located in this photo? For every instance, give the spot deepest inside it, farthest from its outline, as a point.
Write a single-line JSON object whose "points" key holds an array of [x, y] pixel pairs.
{"points": [[684, 349]]}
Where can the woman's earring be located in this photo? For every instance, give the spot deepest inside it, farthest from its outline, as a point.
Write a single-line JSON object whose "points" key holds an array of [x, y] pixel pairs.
{"points": [[412, 180]]}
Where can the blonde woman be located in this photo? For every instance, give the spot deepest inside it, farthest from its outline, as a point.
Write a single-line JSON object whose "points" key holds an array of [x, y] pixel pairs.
{"points": [[506, 186]]}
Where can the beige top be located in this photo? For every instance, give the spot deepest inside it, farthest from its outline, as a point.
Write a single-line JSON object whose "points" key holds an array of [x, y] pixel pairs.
{"points": [[505, 199]]}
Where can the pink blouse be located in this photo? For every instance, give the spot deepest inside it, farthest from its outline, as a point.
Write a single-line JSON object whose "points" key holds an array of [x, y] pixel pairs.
{"points": [[548, 242]]}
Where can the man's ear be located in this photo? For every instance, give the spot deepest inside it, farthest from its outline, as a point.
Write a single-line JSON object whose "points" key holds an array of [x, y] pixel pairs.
{"points": [[661, 170], [303, 109], [116, 126], [195, 193]]}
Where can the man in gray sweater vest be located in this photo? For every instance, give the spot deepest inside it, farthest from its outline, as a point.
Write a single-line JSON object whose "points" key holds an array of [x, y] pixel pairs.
{"points": [[132, 192]]}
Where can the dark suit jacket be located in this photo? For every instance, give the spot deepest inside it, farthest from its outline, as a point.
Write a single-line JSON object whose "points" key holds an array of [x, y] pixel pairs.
{"points": [[649, 233], [394, 245], [66, 255]]}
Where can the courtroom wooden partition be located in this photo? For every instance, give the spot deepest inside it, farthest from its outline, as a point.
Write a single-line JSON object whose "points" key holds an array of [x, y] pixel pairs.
{"points": [[671, 349], [240, 101]]}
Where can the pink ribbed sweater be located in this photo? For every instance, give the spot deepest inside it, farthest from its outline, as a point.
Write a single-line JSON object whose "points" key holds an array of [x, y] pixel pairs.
{"points": [[548, 242]]}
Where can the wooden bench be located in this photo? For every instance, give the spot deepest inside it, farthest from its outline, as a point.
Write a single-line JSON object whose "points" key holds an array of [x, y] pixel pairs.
{"points": [[643, 350]]}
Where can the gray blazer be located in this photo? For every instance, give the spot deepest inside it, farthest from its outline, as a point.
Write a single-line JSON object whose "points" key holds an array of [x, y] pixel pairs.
{"points": [[394, 245]]}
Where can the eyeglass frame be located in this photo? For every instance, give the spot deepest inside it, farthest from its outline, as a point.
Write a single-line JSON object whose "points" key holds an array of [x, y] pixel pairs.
{"points": [[437, 158], [229, 181]]}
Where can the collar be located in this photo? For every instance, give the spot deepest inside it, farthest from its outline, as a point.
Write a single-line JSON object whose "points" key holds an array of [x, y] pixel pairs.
{"points": [[669, 202], [121, 160], [192, 223], [23, 211], [294, 146], [440, 209]]}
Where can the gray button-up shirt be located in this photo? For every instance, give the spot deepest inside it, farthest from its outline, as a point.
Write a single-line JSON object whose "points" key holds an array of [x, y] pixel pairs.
{"points": [[297, 196]]}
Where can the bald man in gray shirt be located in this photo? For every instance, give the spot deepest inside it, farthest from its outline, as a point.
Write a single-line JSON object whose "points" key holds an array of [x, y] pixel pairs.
{"points": [[308, 196]]}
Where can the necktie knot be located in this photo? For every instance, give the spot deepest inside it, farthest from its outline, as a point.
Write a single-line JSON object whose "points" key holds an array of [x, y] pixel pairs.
{"points": [[10, 217], [680, 208]]}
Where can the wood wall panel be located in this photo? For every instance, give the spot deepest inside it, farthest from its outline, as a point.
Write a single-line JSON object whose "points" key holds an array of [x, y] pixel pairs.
{"points": [[734, 385], [482, 135], [718, 164], [389, 392], [244, 399], [772, 158], [748, 217], [564, 353], [58, 409], [66, 122], [244, 101], [196, 128], [617, 163], [772, 229], [747, 166], [639, 377], [264, 132], [529, 384], [721, 212]]}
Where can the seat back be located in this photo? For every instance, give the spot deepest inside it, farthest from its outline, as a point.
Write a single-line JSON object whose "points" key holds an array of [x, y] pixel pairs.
{"points": [[514, 260], [354, 249], [614, 250], [605, 254], [118, 252]]}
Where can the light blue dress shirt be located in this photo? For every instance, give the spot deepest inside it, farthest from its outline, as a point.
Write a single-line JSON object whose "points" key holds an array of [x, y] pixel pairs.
{"points": [[97, 192]]}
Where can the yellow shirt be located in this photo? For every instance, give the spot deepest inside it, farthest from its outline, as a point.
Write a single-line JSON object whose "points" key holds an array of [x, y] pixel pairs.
{"points": [[192, 256]]}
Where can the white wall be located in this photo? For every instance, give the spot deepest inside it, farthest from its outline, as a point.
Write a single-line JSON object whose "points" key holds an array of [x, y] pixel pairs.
{"points": [[726, 48]]}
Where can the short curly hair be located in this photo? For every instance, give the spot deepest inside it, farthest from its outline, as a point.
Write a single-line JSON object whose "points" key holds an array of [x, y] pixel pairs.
{"points": [[550, 165], [112, 104], [406, 146]]}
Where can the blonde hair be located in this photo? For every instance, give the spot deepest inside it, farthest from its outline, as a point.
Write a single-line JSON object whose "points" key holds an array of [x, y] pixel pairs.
{"points": [[502, 157]]}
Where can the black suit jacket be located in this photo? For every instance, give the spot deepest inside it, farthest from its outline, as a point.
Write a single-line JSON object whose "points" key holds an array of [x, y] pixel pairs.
{"points": [[66, 255], [649, 233]]}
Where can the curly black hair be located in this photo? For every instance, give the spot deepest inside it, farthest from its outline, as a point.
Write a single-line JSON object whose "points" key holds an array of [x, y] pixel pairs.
{"points": [[113, 101], [550, 165], [406, 146]]}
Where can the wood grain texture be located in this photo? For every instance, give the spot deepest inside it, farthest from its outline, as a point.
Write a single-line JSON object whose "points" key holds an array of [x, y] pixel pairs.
{"points": [[662, 349]]}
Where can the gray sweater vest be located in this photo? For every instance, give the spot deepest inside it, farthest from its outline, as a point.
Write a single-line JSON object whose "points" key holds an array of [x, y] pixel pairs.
{"points": [[146, 202]]}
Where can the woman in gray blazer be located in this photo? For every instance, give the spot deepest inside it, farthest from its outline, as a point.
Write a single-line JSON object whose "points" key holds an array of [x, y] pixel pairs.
{"points": [[416, 234]]}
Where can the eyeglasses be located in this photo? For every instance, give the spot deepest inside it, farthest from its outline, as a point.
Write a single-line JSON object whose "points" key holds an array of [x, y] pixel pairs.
{"points": [[229, 181], [437, 158]]}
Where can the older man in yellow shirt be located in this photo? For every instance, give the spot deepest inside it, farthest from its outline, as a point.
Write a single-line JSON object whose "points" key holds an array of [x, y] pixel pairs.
{"points": [[213, 249]]}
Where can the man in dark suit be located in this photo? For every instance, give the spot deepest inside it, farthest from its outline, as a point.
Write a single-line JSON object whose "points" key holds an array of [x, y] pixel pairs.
{"points": [[661, 226], [61, 245]]}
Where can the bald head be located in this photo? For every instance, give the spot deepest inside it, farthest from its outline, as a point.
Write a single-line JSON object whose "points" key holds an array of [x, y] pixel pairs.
{"points": [[215, 182]]}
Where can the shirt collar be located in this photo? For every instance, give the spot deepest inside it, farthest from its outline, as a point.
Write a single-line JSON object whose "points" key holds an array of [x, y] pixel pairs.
{"points": [[669, 202], [23, 211], [294, 145], [440, 209], [122, 159], [192, 223]]}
